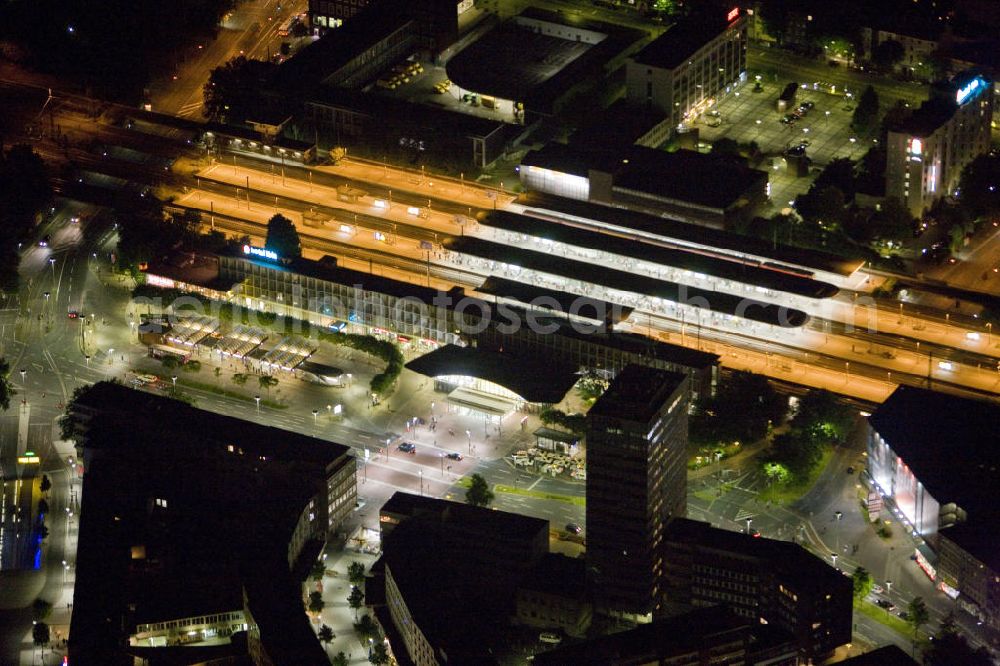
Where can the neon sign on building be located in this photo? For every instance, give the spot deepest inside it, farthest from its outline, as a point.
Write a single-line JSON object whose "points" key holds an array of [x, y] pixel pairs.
{"points": [[965, 92], [733, 14], [261, 252]]}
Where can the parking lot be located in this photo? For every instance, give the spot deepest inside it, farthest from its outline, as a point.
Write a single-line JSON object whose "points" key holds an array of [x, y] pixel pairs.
{"points": [[753, 116]]}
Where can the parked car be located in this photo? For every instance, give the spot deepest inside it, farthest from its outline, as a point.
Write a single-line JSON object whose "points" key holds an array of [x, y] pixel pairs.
{"points": [[454, 456], [573, 528], [408, 447]]}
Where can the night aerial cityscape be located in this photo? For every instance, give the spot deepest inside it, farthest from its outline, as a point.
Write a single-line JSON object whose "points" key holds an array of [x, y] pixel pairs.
{"points": [[499, 332]]}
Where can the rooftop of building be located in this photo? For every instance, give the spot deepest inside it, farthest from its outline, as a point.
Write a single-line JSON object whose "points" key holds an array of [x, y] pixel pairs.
{"points": [[683, 40], [222, 523], [520, 372], [797, 564], [669, 228], [889, 655], [680, 258], [124, 408], [428, 116], [634, 343], [637, 393], [685, 175], [944, 102], [616, 128], [647, 643], [952, 446], [558, 575], [515, 61], [554, 300], [502, 524], [620, 280], [309, 67]]}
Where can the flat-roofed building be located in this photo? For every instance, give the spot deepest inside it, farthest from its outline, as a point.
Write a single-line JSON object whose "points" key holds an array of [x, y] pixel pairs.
{"points": [[934, 457], [690, 66], [925, 153], [771, 582], [637, 434]]}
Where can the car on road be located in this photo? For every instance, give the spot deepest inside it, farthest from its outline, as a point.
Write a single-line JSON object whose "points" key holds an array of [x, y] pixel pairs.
{"points": [[46, 239], [573, 528], [73, 314], [877, 589], [454, 456], [807, 106], [796, 151], [886, 604], [850, 470], [903, 615], [789, 119], [408, 447]]}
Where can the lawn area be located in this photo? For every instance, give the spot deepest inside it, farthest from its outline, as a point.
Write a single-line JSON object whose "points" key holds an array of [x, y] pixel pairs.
{"points": [[465, 482], [212, 388], [888, 619], [786, 493]]}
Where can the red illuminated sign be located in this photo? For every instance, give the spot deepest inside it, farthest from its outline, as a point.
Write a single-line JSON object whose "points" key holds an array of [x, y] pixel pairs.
{"points": [[734, 14]]}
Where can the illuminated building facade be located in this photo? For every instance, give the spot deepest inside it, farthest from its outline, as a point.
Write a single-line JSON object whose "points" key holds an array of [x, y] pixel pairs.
{"points": [[934, 458], [927, 152], [691, 65]]}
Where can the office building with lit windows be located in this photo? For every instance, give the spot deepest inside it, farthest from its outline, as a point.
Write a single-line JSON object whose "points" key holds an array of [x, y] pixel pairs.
{"points": [[690, 66], [770, 582], [925, 154], [637, 434]]}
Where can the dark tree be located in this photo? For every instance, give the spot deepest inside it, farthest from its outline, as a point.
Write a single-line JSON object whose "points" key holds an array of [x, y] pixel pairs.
{"points": [[366, 627], [318, 570], [826, 206], [888, 54], [744, 406], [355, 599], [356, 573], [316, 603], [726, 146], [326, 635], [866, 112], [863, 583], [838, 173], [797, 452], [822, 415], [231, 90], [892, 221], [6, 388], [379, 655], [40, 634], [949, 647], [479, 493], [979, 187], [283, 238]]}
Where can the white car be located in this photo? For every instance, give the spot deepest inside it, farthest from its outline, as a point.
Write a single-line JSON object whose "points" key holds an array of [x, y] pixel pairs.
{"points": [[877, 589]]}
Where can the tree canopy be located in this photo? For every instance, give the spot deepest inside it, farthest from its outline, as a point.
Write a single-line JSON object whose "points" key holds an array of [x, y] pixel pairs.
{"points": [[479, 493], [888, 54], [24, 192], [283, 238], [866, 112], [949, 647], [742, 409], [863, 583], [230, 93]]}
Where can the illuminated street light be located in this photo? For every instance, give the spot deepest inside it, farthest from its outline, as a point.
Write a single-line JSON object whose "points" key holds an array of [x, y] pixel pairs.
{"points": [[315, 415], [257, 398]]}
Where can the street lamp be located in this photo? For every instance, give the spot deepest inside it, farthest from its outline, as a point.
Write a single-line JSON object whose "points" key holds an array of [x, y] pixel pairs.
{"points": [[173, 378], [421, 482], [441, 458], [839, 515], [888, 586], [749, 520], [834, 557], [315, 415], [468, 433], [257, 399], [23, 373]]}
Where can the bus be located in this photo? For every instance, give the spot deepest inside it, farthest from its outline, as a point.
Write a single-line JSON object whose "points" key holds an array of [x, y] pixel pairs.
{"points": [[163, 351]]}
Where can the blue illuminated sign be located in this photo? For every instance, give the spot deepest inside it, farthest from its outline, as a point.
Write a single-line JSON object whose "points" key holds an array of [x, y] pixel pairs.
{"points": [[965, 92], [261, 252]]}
